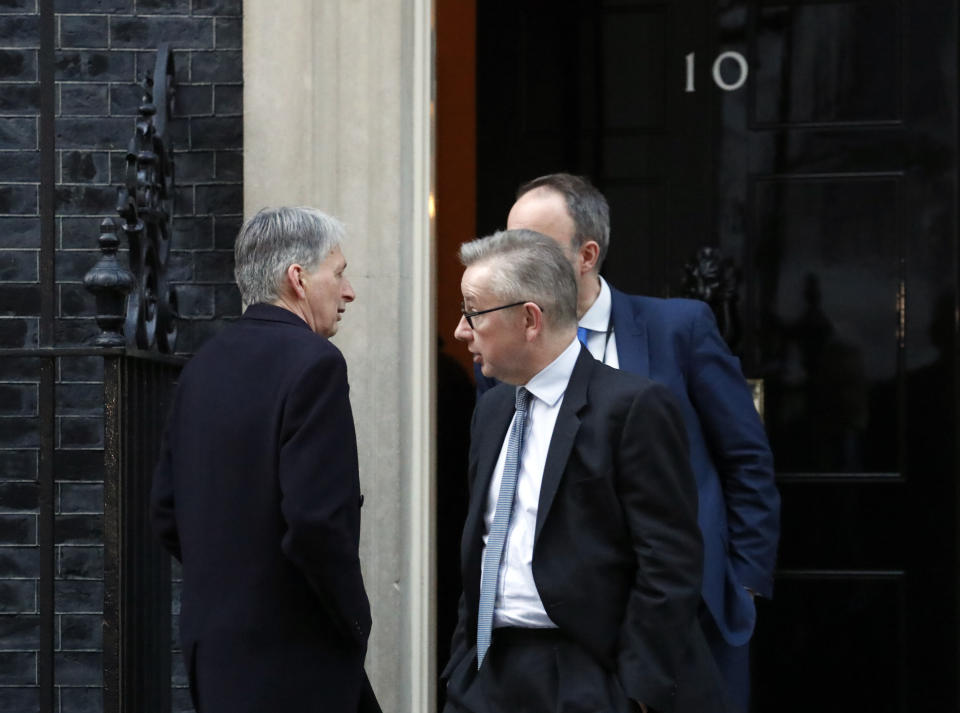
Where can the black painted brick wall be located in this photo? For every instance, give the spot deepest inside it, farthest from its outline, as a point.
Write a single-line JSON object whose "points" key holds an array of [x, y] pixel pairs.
{"points": [[103, 48]]}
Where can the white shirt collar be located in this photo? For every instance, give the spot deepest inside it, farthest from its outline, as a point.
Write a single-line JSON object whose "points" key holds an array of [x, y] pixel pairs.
{"points": [[550, 382], [597, 317]]}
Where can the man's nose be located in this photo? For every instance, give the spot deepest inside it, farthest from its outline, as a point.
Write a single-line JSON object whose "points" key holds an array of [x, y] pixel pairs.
{"points": [[347, 293], [463, 331]]}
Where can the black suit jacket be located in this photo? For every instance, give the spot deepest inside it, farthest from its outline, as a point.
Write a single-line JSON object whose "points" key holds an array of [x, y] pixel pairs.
{"points": [[257, 494], [617, 556], [676, 343]]}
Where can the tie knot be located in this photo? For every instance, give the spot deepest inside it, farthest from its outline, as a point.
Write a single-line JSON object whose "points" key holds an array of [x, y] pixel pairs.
{"points": [[523, 398]]}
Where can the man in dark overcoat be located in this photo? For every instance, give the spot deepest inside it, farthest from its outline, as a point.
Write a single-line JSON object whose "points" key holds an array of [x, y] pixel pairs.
{"points": [[257, 491]]}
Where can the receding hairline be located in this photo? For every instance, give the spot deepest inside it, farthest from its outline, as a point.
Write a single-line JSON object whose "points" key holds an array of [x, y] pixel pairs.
{"points": [[546, 193], [544, 188], [554, 208]]}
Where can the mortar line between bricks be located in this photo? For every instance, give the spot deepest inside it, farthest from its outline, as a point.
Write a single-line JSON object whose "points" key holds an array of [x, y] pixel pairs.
{"points": [[85, 613], [75, 651]]}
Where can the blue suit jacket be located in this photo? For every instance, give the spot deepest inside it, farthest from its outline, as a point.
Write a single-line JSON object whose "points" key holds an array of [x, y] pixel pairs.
{"points": [[676, 342]]}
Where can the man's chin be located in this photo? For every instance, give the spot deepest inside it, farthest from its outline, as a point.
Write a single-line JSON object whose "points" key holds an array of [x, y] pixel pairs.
{"points": [[488, 372]]}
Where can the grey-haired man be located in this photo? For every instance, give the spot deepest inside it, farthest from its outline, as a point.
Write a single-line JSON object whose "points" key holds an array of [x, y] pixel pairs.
{"points": [[257, 490], [581, 555]]}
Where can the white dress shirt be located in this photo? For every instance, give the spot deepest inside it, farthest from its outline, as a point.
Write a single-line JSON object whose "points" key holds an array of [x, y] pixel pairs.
{"points": [[518, 602], [598, 320]]}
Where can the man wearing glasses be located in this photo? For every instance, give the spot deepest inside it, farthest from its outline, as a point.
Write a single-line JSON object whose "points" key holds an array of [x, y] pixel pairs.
{"points": [[676, 342], [581, 555]]}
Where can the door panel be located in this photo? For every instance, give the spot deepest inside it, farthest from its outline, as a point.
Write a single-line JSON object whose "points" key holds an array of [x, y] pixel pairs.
{"points": [[826, 268], [820, 63], [633, 52], [840, 677]]}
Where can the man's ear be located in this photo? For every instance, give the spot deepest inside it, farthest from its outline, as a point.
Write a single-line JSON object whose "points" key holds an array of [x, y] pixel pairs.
{"points": [[533, 320], [588, 255], [294, 280]]}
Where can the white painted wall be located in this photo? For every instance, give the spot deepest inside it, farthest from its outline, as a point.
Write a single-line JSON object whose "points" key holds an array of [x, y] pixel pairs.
{"points": [[337, 115]]}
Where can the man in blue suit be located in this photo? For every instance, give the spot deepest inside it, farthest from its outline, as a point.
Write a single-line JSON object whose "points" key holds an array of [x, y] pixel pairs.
{"points": [[676, 342]]}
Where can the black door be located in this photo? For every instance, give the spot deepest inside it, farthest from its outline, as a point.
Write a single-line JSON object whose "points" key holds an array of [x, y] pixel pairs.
{"points": [[814, 143]]}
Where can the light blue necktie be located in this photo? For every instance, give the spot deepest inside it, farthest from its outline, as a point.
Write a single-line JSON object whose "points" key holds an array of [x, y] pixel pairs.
{"points": [[498, 528], [582, 335]]}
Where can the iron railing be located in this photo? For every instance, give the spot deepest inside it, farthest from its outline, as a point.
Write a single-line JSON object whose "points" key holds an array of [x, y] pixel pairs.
{"points": [[136, 312], [137, 390]]}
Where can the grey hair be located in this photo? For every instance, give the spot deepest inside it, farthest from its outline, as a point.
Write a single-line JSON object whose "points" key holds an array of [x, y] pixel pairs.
{"points": [[528, 266], [586, 205], [276, 238]]}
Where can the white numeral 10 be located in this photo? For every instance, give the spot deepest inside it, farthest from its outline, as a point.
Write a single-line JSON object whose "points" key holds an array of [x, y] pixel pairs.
{"points": [[737, 58]]}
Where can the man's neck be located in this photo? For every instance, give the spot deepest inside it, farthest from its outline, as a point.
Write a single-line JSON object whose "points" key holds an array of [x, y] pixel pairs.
{"points": [[542, 355], [589, 290], [291, 305]]}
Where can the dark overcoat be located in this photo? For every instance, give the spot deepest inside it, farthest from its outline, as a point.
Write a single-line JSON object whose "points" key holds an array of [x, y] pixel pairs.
{"points": [[257, 494]]}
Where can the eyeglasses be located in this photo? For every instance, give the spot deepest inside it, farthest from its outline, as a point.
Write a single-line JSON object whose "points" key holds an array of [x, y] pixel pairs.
{"points": [[470, 315]]}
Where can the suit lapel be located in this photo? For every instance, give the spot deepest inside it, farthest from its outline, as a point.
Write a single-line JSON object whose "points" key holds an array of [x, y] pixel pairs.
{"points": [[564, 433], [631, 334]]}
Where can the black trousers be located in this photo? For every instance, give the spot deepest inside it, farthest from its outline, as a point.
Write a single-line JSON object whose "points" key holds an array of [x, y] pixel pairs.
{"points": [[534, 671]]}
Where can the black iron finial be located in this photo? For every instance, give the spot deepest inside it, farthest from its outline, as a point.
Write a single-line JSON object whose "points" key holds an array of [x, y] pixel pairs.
{"points": [[110, 281]]}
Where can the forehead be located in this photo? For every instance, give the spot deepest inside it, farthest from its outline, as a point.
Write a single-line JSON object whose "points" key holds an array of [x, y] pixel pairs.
{"points": [[475, 283]]}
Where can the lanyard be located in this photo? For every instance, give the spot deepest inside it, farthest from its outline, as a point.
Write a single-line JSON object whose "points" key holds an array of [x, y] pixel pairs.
{"points": [[606, 339]]}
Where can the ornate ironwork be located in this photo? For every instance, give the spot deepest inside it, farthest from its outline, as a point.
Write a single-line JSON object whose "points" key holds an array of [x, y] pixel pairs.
{"points": [[145, 203], [714, 279]]}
